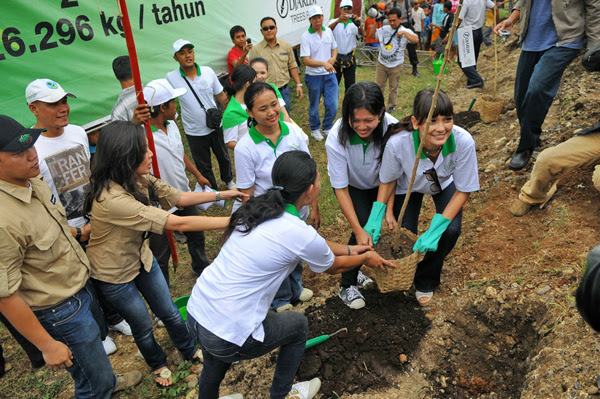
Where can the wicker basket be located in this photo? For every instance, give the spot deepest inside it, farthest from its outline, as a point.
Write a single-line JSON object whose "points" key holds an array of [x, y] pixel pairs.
{"points": [[490, 108], [401, 277]]}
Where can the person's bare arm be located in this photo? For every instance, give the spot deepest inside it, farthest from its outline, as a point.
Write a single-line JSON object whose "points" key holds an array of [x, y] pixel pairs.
{"points": [[512, 19], [240, 61], [192, 198], [223, 99], [410, 36], [195, 223], [296, 78], [190, 167], [249, 192], [315, 64], [360, 255], [343, 197]]}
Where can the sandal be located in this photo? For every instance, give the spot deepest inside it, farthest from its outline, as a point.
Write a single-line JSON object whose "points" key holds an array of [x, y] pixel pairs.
{"points": [[198, 358], [424, 298], [163, 378]]}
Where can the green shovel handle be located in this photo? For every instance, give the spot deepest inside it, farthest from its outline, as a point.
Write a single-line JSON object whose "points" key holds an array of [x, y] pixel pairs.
{"points": [[316, 341]]}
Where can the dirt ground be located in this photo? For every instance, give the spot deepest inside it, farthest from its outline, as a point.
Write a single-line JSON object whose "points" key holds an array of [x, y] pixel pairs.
{"points": [[503, 323]]}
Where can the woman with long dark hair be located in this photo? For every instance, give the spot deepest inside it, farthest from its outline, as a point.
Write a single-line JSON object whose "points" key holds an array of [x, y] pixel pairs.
{"points": [[228, 311], [235, 117], [447, 170], [121, 203], [354, 146], [255, 154]]}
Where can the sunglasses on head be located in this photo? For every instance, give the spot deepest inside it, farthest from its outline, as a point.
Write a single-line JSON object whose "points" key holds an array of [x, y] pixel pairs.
{"points": [[270, 27], [431, 175], [346, 8]]}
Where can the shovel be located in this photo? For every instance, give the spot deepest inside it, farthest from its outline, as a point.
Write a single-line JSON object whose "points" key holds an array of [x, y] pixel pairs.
{"points": [[322, 338]]}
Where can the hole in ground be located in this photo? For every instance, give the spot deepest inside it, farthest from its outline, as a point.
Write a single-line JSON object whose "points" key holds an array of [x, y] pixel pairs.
{"points": [[368, 356]]}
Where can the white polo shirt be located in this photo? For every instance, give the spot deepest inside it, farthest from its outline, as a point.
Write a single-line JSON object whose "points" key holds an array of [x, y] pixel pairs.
{"points": [[472, 12], [355, 164], [393, 55], [169, 154], [232, 296], [456, 163], [255, 155], [206, 85], [318, 48], [345, 36]]}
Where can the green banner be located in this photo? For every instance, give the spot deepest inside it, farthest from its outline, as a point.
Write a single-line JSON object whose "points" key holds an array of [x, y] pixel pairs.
{"points": [[75, 41]]}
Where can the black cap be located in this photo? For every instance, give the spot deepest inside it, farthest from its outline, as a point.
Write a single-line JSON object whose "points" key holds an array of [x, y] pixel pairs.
{"points": [[14, 137], [588, 292]]}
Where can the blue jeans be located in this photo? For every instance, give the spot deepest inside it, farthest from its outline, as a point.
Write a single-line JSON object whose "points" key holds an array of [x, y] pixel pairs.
{"points": [[285, 94], [429, 270], [537, 81], [290, 289], [473, 77], [287, 331], [71, 322], [326, 86], [127, 299]]}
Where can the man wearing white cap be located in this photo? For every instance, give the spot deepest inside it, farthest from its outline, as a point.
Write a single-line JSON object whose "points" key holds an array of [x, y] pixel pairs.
{"points": [[64, 160], [197, 106], [172, 163], [318, 50], [345, 30]]}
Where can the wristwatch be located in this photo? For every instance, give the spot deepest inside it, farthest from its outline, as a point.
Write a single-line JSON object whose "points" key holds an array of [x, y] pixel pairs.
{"points": [[218, 196], [78, 236], [298, 84]]}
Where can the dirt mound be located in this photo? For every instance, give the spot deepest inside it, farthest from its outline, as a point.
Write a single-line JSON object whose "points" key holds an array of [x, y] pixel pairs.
{"points": [[369, 356]]}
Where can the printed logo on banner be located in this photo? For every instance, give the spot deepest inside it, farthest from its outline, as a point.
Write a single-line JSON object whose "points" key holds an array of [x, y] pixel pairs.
{"points": [[282, 8], [466, 47], [297, 9]]}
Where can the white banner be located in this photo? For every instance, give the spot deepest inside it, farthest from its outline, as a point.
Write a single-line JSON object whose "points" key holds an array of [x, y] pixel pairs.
{"points": [[466, 48]]}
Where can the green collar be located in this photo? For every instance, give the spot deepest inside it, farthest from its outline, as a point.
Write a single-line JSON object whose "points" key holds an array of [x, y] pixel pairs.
{"points": [[346, 23], [184, 75], [259, 138], [292, 210], [355, 139], [154, 128], [311, 30], [448, 147], [234, 114]]}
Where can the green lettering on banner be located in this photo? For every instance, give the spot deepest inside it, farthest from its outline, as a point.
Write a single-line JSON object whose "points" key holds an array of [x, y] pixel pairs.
{"points": [[74, 43]]}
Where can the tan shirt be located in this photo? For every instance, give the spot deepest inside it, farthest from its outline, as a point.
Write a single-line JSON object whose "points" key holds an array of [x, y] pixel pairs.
{"points": [[39, 257], [117, 248], [280, 58]]}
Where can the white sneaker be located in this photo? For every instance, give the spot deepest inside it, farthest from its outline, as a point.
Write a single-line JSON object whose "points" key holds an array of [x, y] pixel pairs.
{"points": [[305, 295], [284, 308], [305, 389], [316, 134], [363, 281], [231, 185], [109, 346], [122, 327], [233, 396], [326, 132], [159, 322], [352, 297]]}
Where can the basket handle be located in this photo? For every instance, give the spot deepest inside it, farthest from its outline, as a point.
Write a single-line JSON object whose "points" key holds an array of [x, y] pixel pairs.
{"points": [[438, 85]]}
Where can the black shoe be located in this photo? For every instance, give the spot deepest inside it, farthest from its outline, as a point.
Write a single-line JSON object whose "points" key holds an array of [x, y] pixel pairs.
{"points": [[520, 159], [391, 110], [415, 73], [475, 85]]}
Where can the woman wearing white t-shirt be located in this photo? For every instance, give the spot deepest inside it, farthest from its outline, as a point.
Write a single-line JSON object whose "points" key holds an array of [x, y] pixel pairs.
{"points": [[354, 147], [447, 171], [255, 154], [235, 117], [228, 311]]}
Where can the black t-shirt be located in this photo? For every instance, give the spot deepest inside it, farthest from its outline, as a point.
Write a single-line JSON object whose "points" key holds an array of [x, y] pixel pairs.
{"points": [[447, 25]]}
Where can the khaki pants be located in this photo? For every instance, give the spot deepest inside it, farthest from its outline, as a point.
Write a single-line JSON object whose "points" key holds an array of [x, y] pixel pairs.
{"points": [[382, 75], [576, 152]]}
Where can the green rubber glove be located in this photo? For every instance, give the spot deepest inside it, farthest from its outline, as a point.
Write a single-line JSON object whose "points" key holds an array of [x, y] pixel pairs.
{"points": [[373, 226], [428, 241]]}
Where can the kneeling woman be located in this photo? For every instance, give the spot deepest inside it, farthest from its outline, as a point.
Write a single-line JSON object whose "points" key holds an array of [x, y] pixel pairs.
{"points": [[265, 240], [447, 171], [121, 202]]}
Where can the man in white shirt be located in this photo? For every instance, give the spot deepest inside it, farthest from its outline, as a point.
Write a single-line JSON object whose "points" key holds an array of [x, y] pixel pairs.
{"points": [[393, 39], [125, 105], [345, 30], [319, 52], [202, 86], [473, 14]]}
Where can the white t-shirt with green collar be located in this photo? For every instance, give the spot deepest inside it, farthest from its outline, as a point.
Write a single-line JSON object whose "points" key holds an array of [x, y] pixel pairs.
{"points": [[318, 48], [456, 163], [355, 164], [233, 295]]}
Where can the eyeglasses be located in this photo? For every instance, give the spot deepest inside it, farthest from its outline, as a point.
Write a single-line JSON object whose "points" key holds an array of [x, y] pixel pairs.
{"points": [[431, 175], [346, 8], [266, 28]]}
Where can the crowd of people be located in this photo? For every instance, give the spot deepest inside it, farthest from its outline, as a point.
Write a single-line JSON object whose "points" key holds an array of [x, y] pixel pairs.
{"points": [[84, 229]]}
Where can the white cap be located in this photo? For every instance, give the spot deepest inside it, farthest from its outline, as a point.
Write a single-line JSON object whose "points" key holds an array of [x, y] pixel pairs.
{"points": [[346, 3], [181, 43], [160, 91], [45, 90], [314, 10], [97, 124]]}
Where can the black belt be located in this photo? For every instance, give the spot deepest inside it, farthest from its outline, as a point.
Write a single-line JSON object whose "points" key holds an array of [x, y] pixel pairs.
{"points": [[283, 87]]}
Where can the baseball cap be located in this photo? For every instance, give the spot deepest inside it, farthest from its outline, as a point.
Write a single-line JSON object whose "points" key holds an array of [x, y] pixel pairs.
{"points": [[97, 124], [181, 43], [314, 10], [346, 3], [159, 91], [14, 137], [45, 90]]}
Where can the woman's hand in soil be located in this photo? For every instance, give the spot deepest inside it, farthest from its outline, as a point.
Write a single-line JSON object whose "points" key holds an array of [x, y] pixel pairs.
{"points": [[233, 194], [428, 241], [359, 249], [375, 261], [363, 238], [390, 220]]}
